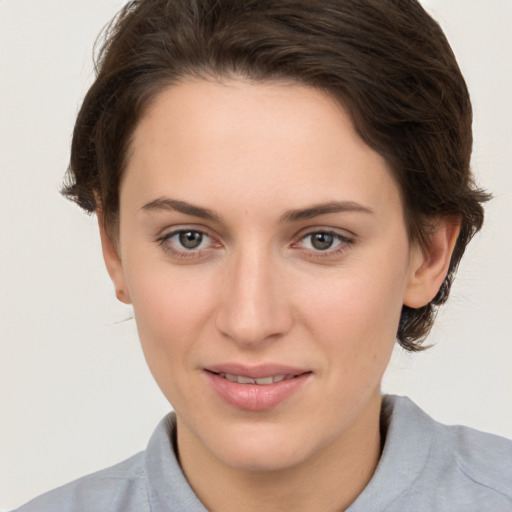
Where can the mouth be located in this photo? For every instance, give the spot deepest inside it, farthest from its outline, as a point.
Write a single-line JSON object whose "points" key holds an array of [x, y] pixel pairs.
{"points": [[257, 388], [262, 381]]}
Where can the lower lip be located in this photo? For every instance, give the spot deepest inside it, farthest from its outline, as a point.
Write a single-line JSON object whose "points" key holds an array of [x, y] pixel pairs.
{"points": [[256, 397]]}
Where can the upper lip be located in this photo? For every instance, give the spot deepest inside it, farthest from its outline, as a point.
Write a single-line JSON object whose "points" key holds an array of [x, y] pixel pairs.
{"points": [[256, 372]]}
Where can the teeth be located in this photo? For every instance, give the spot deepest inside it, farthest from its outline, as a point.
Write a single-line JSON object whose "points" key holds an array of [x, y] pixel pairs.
{"points": [[265, 380], [245, 380], [249, 380]]}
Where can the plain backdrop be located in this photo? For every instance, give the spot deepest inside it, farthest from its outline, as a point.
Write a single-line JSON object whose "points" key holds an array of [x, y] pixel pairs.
{"points": [[75, 394]]}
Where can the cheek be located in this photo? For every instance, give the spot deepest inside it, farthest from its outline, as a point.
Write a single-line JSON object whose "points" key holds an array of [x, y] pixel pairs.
{"points": [[357, 313], [171, 311]]}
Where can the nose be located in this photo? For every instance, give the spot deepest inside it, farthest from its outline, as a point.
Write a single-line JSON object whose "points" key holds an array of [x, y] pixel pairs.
{"points": [[253, 306]]}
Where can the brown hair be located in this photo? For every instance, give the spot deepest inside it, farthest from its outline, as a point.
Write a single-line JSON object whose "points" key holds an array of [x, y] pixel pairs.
{"points": [[386, 61]]}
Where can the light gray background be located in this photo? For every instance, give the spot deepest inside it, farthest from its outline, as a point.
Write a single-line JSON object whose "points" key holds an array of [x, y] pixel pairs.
{"points": [[75, 394]]}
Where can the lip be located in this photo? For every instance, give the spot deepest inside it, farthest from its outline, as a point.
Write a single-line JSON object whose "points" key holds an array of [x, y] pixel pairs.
{"points": [[256, 372], [256, 397]]}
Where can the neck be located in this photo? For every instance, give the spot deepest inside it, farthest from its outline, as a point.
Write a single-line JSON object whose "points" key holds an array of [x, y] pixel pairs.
{"points": [[329, 481]]}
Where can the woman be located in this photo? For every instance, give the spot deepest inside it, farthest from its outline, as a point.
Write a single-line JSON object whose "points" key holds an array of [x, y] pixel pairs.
{"points": [[282, 189]]}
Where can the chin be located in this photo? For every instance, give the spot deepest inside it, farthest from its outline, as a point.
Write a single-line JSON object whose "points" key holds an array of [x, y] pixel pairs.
{"points": [[269, 449], [263, 460]]}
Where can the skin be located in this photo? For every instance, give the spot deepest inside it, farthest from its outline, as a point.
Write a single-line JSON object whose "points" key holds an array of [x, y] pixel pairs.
{"points": [[258, 291]]}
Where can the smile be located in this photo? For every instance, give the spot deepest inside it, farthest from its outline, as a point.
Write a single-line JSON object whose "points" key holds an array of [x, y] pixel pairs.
{"points": [[257, 388], [264, 381]]}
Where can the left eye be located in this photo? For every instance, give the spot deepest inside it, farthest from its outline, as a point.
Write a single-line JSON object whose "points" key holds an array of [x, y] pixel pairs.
{"points": [[189, 239], [322, 240]]}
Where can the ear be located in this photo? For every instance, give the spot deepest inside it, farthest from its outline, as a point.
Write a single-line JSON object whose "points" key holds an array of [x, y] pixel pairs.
{"points": [[113, 261], [429, 265]]}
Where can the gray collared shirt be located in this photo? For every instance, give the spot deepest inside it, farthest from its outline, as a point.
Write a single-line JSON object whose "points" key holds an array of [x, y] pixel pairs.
{"points": [[425, 466]]}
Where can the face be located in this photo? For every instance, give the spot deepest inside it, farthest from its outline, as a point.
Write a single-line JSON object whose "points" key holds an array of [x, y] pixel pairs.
{"points": [[263, 247]]}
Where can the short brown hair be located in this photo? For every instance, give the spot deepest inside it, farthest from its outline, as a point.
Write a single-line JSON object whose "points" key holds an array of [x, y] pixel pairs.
{"points": [[386, 61]]}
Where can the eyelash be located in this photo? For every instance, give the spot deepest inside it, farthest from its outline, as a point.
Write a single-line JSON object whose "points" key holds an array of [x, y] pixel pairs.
{"points": [[165, 242], [344, 242]]}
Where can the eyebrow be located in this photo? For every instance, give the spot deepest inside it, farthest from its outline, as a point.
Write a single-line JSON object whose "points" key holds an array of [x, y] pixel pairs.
{"points": [[165, 203], [323, 209]]}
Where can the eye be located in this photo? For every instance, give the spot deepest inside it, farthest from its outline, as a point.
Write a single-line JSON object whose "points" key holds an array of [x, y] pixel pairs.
{"points": [[189, 239], [321, 241], [328, 242], [186, 241]]}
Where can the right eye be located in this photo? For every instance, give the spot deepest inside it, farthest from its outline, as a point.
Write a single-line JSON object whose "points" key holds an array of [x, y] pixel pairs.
{"points": [[186, 242], [189, 239]]}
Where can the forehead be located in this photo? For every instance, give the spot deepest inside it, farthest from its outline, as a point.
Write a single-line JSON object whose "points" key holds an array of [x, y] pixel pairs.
{"points": [[255, 141]]}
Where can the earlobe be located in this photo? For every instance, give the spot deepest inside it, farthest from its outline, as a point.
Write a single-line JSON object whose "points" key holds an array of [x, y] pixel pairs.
{"points": [[113, 261], [429, 265]]}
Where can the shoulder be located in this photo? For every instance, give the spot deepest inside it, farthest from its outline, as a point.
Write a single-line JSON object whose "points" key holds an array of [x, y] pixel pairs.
{"points": [[458, 468], [119, 488], [152, 480], [432, 467], [483, 459]]}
